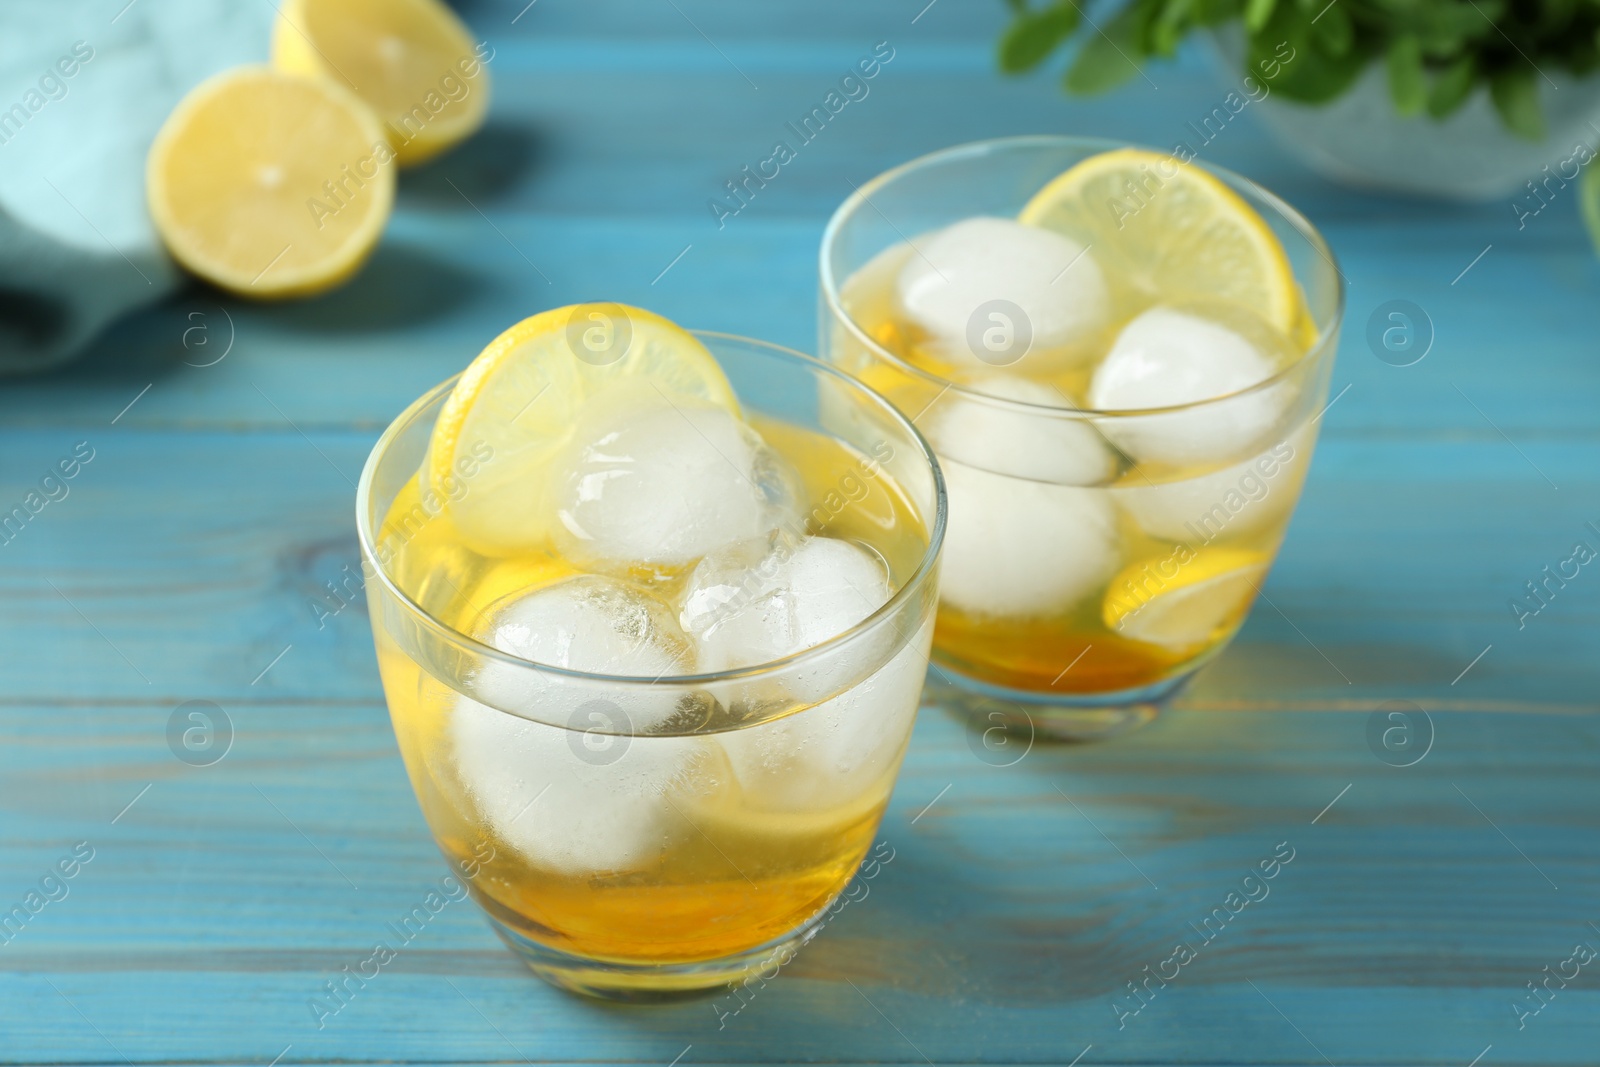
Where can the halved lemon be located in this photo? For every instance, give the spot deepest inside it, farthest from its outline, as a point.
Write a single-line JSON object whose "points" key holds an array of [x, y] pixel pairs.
{"points": [[1184, 602], [412, 61], [515, 406], [1171, 229], [270, 185]]}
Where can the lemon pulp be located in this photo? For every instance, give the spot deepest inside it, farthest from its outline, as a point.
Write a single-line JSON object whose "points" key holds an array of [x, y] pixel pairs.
{"points": [[270, 185]]}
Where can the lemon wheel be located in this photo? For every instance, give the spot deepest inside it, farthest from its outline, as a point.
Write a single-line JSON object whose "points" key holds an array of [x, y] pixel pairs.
{"points": [[1184, 604], [1174, 230], [514, 408]]}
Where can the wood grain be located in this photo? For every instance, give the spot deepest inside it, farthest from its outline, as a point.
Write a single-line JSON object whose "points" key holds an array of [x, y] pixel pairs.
{"points": [[1022, 899]]}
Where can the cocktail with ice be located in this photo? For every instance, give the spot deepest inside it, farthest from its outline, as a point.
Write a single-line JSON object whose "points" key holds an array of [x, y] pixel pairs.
{"points": [[652, 612], [1119, 357]]}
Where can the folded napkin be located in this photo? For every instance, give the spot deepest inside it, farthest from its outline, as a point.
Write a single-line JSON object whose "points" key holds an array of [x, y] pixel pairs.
{"points": [[84, 86]]}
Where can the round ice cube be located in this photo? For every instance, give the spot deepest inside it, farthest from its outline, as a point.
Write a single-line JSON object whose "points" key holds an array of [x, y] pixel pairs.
{"points": [[569, 806], [1021, 548], [1243, 499], [664, 484], [593, 624], [988, 292], [1041, 445], [579, 790], [767, 599], [832, 755], [1167, 358]]}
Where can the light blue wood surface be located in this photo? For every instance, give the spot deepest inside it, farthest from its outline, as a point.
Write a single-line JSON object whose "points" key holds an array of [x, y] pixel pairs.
{"points": [[1020, 903]]}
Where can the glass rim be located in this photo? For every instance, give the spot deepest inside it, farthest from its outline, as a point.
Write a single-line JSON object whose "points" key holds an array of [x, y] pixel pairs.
{"points": [[918, 577], [860, 197]]}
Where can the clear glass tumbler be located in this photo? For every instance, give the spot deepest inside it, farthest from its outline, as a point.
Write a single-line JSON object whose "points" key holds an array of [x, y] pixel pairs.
{"points": [[1077, 597], [632, 864]]}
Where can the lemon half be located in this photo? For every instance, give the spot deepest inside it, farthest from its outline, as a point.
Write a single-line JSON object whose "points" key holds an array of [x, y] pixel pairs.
{"points": [[514, 408], [412, 61], [270, 185], [1173, 229]]}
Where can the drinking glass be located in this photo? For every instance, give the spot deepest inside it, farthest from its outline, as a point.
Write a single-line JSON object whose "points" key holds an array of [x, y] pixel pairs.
{"points": [[1032, 636], [635, 864]]}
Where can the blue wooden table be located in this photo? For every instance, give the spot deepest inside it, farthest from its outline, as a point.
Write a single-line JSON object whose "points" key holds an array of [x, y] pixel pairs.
{"points": [[1424, 913]]}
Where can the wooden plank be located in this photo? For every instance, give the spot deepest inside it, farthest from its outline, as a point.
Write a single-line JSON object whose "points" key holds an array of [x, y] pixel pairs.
{"points": [[417, 316], [1016, 907], [1022, 898], [1398, 570], [568, 213]]}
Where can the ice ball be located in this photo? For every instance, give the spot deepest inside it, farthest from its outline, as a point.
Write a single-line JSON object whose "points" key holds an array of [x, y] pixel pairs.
{"points": [[561, 767], [1236, 501], [991, 292], [592, 624], [768, 599], [1015, 547], [1168, 358], [664, 485], [565, 807], [839, 754], [1046, 446]]}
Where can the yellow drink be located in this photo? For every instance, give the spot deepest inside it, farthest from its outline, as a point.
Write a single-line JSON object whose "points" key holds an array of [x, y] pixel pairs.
{"points": [[1180, 549], [741, 850]]}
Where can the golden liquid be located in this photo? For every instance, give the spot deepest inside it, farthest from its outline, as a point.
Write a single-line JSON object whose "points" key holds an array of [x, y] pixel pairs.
{"points": [[1073, 650], [734, 868], [1032, 653]]}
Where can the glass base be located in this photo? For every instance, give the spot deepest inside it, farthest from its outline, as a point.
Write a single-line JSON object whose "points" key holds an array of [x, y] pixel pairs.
{"points": [[1008, 721], [654, 982]]}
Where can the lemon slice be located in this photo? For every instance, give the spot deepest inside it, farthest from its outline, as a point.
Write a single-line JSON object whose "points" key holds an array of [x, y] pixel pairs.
{"points": [[412, 61], [1172, 229], [1204, 595], [515, 406], [270, 185]]}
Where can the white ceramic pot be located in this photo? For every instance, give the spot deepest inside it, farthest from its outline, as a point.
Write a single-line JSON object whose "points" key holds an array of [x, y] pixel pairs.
{"points": [[1358, 139]]}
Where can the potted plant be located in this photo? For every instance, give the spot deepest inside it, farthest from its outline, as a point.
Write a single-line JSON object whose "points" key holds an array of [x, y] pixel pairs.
{"points": [[1466, 99]]}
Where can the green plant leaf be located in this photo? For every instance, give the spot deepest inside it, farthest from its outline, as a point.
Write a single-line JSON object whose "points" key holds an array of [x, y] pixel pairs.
{"points": [[1589, 201], [1333, 29], [1445, 27], [1435, 52], [1552, 15], [1256, 13], [1452, 86], [1406, 83], [1316, 78], [1285, 55], [1169, 26], [1516, 97], [1032, 36], [1106, 59], [1215, 12], [1478, 18]]}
